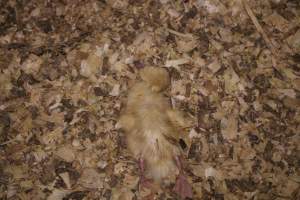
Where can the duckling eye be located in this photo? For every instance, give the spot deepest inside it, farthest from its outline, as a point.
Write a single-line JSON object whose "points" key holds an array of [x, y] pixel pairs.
{"points": [[182, 144]]}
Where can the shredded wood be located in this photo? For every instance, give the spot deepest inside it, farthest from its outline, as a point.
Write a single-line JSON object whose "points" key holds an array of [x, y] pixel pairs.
{"points": [[66, 67]]}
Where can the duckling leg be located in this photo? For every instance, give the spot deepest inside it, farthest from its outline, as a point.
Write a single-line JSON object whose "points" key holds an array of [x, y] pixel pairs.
{"points": [[145, 183], [182, 186]]}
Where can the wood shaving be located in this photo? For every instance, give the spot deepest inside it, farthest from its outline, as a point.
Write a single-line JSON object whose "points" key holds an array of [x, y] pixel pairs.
{"points": [[65, 71]]}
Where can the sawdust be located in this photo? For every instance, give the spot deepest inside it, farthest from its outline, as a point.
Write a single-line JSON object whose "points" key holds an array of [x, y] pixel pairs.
{"points": [[66, 66]]}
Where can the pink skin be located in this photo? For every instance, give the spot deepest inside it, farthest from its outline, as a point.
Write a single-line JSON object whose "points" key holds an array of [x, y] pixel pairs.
{"points": [[182, 186], [143, 182]]}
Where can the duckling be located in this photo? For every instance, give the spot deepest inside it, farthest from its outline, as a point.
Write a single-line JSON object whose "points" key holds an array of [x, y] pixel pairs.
{"points": [[153, 130]]}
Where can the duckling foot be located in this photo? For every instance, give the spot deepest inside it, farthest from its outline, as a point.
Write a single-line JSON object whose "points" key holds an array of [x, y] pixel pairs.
{"points": [[182, 186]]}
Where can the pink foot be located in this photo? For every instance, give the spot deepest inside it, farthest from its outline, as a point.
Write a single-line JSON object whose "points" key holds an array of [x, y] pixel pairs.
{"points": [[143, 182], [149, 197], [182, 187]]}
